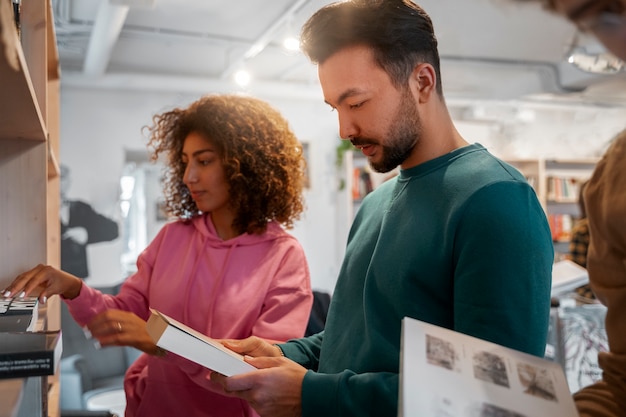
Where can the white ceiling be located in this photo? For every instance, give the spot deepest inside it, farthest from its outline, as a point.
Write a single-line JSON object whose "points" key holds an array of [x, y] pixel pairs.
{"points": [[490, 49]]}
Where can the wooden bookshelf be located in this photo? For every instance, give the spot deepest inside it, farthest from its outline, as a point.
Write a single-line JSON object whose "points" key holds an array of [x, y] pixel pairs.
{"points": [[557, 183], [29, 189], [361, 179]]}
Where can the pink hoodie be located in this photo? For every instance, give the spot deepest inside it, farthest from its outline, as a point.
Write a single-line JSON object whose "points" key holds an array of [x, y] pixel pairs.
{"points": [[250, 285]]}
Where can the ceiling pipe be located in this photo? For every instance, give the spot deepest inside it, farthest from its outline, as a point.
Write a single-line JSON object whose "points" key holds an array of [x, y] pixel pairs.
{"points": [[106, 30], [263, 40], [551, 68], [191, 85]]}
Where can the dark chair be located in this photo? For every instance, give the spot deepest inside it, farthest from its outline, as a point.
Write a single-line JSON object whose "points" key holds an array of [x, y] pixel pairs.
{"points": [[319, 311]]}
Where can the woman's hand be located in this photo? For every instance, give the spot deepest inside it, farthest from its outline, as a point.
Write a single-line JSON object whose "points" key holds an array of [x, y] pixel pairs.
{"points": [[44, 281], [122, 328]]}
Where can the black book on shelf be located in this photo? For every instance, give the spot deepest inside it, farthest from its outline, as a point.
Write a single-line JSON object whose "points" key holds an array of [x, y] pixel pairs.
{"points": [[18, 314], [24, 354]]}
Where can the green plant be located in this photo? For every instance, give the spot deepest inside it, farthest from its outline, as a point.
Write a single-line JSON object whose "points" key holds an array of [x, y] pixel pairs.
{"points": [[344, 145]]}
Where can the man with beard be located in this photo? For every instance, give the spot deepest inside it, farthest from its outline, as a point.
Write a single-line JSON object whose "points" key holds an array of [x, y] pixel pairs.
{"points": [[457, 239]]}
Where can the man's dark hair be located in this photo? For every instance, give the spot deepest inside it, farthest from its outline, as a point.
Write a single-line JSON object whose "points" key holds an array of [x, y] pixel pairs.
{"points": [[399, 32]]}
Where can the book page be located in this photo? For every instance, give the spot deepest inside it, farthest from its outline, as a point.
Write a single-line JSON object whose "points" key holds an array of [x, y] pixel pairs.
{"points": [[446, 373]]}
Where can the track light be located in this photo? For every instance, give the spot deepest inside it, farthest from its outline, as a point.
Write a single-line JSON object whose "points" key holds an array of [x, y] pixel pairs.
{"points": [[242, 78], [291, 44]]}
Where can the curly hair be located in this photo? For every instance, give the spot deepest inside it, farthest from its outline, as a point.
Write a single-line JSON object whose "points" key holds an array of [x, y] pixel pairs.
{"points": [[399, 32], [263, 160]]}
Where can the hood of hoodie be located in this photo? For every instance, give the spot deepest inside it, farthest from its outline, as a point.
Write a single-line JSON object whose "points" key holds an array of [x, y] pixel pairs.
{"points": [[204, 225]]}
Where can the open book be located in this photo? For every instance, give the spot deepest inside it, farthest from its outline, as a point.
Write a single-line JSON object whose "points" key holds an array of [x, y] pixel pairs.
{"points": [[446, 373], [184, 341]]}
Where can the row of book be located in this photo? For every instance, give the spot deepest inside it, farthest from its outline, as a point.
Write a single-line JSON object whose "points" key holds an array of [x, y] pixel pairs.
{"points": [[362, 183], [563, 189], [561, 226], [26, 351]]}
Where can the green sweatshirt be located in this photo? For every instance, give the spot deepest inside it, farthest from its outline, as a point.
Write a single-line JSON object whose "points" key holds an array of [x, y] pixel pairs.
{"points": [[460, 241]]}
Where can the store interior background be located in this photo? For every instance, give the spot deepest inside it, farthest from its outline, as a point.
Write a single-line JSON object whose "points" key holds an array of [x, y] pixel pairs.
{"points": [[504, 69]]}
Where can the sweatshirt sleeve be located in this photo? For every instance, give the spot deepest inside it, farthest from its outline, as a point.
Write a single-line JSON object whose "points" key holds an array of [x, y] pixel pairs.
{"points": [[305, 351], [373, 393], [605, 199], [132, 296], [504, 257], [370, 394]]}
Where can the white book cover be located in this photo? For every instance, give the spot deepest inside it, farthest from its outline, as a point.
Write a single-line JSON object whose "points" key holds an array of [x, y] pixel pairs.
{"points": [[444, 373], [184, 341], [567, 276]]}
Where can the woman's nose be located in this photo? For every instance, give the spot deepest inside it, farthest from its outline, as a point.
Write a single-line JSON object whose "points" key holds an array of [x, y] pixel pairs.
{"points": [[189, 175]]}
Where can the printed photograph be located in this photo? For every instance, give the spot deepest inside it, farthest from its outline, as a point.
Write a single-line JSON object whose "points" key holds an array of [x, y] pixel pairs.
{"points": [[490, 410], [441, 353], [491, 368], [536, 381]]}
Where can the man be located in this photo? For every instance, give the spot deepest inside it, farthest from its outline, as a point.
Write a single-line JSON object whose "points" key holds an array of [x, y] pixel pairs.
{"points": [[81, 225], [605, 201], [457, 239]]}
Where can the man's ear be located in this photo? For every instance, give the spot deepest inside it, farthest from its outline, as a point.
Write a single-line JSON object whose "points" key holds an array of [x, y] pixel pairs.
{"points": [[423, 82]]}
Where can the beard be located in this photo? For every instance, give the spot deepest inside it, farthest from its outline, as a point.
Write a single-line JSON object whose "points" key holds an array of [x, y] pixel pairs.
{"points": [[403, 135]]}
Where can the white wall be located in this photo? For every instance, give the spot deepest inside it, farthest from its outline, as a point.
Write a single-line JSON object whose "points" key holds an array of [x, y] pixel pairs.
{"points": [[550, 132], [98, 125]]}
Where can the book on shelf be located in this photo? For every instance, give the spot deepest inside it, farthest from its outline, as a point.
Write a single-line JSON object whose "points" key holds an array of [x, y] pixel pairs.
{"points": [[18, 314], [561, 227], [447, 373], [178, 338], [24, 354], [563, 189]]}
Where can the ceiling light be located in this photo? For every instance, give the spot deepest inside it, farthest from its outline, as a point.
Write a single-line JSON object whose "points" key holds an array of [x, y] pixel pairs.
{"points": [[242, 78], [291, 43]]}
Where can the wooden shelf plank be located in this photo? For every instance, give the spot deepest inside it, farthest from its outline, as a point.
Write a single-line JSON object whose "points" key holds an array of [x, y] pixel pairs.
{"points": [[20, 115], [29, 175]]}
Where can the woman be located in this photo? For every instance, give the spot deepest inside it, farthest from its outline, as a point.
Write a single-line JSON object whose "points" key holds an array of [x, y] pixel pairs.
{"points": [[225, 267]]}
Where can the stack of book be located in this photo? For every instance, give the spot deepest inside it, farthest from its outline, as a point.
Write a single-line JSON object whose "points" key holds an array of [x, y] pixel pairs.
{"points": [[24, 354], [24, 351], [18, 314]]}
